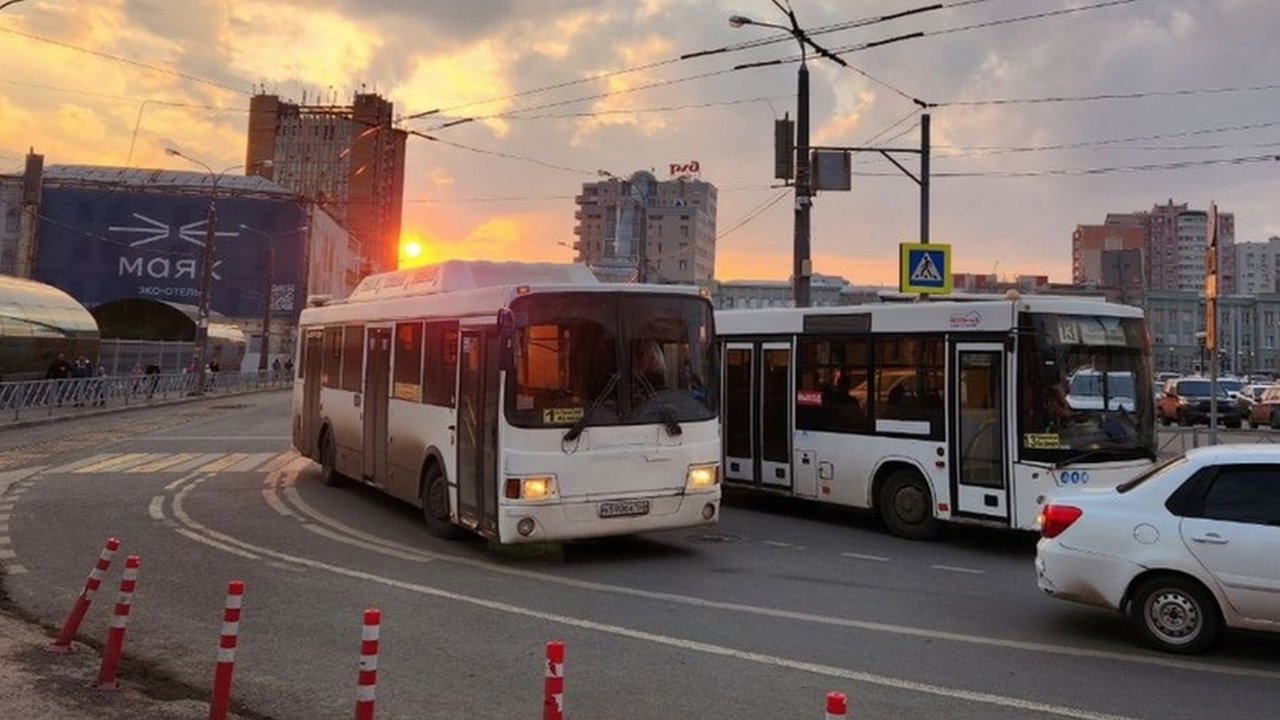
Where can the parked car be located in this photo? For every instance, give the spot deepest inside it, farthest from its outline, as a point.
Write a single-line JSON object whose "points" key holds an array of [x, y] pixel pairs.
{"points": [[1265, 412], [1248, 395], [1186, 401], [1232, 385], [1182, 550]]}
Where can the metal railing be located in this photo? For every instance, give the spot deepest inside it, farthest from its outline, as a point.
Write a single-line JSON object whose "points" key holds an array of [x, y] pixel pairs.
{"points": [[27, 400]]}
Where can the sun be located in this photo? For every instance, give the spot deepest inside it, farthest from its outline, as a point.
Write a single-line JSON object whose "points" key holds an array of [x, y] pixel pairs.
{"points": [[413, 251]]}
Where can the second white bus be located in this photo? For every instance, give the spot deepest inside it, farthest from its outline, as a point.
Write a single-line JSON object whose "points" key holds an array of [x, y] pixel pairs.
{"points": [[520, 401], [949, 410]]}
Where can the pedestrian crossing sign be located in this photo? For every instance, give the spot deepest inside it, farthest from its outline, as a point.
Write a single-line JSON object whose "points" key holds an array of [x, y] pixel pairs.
{"points": [[924, 268]]}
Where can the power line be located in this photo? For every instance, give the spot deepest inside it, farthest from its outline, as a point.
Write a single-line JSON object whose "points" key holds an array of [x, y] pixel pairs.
{"points": [[1077, 172], [1110, 96], [126, 61], [1091, 144], [753, 214]]}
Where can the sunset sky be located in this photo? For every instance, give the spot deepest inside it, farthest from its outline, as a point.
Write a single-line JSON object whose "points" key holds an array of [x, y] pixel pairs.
{"points": [[1104, 106]]}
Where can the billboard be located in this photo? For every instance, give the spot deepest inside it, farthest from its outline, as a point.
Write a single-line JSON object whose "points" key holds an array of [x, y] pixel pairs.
{"points": [[99, 245]]}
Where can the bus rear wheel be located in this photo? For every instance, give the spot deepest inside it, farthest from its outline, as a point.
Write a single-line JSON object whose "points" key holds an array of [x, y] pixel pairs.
{"points": [[435, 505], [329, 461], [906, 506]]}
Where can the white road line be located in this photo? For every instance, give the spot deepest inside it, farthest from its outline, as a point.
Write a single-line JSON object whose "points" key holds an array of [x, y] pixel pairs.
{"points": [[215, 544], [7, 554], [776, 543], [859, 556], [15, 569], [412, 557], [953, 568], [619, 631], [156, 509], [290, 493]]}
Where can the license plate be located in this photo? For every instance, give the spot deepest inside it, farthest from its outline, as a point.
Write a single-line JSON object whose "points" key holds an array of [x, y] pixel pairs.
{"points": [[623, 508]]}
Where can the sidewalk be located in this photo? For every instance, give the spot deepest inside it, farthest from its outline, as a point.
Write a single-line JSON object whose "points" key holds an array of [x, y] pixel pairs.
{"points": [[39, 685]]}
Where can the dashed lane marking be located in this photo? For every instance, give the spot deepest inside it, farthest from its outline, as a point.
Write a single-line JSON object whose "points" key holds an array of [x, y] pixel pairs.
{"points": [[860, 556], [954, 569]]}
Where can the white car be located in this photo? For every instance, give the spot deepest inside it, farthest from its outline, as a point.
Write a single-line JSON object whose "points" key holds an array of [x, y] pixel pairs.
{"points": [[1086, 387], [1184, 550]]}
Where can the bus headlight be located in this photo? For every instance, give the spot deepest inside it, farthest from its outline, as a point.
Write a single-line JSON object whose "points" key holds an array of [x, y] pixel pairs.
{"points": [[703, 476], [534, 487]]}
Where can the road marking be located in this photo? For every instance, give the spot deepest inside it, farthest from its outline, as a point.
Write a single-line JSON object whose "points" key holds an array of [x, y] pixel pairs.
{"points": [[111, 463], [776, 543], [858, 556], [166, 462], [156, 509], [223, 463], [953, 568], [224, 542], [290, 493], [71, 467], [7, 554], [15, 569]]}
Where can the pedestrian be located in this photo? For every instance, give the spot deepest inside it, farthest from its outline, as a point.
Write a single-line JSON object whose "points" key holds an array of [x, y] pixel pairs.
{"points": [[81, 371], [288, 367], [59, 371], [136, 374], [276, 369], [100, 387], [153, 377]]}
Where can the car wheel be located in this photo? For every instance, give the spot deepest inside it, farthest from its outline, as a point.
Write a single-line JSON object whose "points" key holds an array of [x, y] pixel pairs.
{"points": [[1175, 614], [329, 461], [435, 504], [906, 506]]}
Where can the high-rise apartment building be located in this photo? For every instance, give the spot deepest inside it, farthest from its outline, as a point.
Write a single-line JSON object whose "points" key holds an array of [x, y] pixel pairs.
{"points": [[1089, 244], [1173, 240], [644, 230], [348, 159], [1258, 267]]}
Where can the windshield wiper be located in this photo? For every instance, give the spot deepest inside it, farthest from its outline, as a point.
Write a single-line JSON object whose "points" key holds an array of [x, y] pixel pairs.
{"points": [[576, 429], [668, 418]]}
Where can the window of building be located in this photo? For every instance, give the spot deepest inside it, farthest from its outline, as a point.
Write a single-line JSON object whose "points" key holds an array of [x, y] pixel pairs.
{"points": [[11, 221]]}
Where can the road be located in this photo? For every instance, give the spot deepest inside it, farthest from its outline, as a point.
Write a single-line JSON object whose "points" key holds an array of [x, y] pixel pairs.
{"points": [[758, 618]]}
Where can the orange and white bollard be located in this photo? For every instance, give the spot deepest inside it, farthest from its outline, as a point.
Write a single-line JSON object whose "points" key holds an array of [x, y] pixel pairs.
{"points": [[221, 699], [837, 706], [367, 690], [63, 642], [115, 636], [553, 686]]}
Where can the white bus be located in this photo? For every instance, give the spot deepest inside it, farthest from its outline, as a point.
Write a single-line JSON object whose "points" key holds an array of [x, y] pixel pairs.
{"points": [[520, 401], [935, 411]]}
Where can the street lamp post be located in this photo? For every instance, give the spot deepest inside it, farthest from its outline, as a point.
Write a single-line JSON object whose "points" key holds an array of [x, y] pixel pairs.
{"points": [[801, 269], [206, 269]]}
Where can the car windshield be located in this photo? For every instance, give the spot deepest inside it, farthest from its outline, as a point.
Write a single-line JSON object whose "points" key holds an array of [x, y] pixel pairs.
{"points": [[1095, 384], [1198, 388], [1230, 385]]}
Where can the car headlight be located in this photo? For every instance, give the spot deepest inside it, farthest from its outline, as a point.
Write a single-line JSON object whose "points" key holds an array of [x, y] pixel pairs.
{"points": [[703, 476], [533, 487]]}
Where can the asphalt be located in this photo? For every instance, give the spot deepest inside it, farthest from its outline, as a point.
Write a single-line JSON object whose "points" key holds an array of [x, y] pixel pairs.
{"points": [[36, 684]]}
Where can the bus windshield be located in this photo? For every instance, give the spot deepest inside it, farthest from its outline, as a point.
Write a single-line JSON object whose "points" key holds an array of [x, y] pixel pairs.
{"points": [[1083, 389], [586, 359]]}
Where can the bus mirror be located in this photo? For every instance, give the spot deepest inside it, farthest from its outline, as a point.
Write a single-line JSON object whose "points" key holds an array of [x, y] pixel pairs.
{"points": [[506, 340]]}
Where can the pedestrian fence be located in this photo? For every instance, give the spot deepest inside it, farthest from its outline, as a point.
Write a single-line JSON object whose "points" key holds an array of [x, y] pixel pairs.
{"points": [[30, 399], [1171, 441], [553, 689]]}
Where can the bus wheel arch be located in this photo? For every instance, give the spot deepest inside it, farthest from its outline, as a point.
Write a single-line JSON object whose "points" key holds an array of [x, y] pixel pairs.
{"points": [[327, 456], [433, 491], [904, 501]]}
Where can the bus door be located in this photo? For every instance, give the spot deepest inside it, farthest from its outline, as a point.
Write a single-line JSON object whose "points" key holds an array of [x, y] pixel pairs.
{"points": [[308, 425], [478, 429], [377, 388], [739, 412], [981, 476], [774, 418]]}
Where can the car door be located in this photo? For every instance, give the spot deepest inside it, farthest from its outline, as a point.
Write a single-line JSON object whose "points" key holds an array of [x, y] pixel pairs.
{"points": [[1233, 529]]}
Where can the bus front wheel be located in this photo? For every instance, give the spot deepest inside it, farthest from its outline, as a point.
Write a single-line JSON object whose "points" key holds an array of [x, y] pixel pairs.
{"points": [[435, 505], [906, 506]]}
